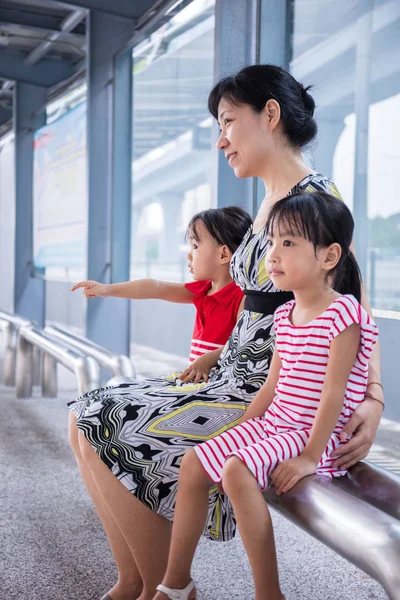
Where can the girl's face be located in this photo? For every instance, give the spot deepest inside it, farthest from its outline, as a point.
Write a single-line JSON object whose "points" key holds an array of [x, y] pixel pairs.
{"points": [[245, 138], [294, 264], [206, 257]]}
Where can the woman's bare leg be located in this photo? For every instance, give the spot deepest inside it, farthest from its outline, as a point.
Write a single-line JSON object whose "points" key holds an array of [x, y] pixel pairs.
{"points": [[129, 584], [146, 533], [189, 520], [255, 526]]}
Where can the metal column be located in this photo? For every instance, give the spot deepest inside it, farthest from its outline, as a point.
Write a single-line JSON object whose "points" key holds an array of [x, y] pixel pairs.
{"points": [[29, 115], [274, 48], [362, 94], [235, 46], [109, 179], [275, 24]]}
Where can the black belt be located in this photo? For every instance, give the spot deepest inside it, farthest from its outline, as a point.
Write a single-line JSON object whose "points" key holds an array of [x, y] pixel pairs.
{"points": [[265, 303]]}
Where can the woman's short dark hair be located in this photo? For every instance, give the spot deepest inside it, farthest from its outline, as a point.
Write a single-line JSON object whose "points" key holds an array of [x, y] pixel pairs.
{"points": [[257, 84], [227, 225], [323, 220]]}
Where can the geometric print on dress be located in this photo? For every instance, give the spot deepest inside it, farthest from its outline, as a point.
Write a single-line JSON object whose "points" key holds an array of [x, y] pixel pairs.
{"points": [[199, 420]]}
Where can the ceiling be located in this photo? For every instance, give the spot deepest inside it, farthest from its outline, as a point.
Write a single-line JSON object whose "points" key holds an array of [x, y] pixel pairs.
{"points": [[43, 42]]}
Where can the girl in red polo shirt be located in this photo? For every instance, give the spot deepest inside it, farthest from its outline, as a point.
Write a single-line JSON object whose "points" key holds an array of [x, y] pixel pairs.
{"points": [[214, 236]]}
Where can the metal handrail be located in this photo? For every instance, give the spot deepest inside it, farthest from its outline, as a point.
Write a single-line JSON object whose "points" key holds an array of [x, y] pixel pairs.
{"points": [[9, 325], [86, 369], [118, 364], [366, 533]]}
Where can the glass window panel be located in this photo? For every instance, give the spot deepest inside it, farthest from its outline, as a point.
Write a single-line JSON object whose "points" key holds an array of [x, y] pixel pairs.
{"points": [[348, 50], [173, 74]]}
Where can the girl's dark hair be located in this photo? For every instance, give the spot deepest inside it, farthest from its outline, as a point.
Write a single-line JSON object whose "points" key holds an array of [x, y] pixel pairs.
{"points": [[257, 84], [226, 225], [323, 220]]}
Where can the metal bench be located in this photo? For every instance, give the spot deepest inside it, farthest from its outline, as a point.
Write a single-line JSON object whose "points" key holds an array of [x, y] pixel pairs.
{"points": [[358, 516]]}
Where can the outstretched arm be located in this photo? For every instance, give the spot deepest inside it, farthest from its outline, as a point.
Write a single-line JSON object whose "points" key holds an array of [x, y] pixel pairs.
{"points": [[140, 289]]}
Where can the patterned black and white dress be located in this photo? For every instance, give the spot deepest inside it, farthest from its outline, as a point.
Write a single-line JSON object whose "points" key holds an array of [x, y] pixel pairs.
{"points": [[141, 430]]}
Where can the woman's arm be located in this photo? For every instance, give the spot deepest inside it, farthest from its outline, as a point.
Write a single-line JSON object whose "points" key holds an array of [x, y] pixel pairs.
{"points": [[266, 394], [140, 289], [364, 422], [374, 371], [374, 374]]}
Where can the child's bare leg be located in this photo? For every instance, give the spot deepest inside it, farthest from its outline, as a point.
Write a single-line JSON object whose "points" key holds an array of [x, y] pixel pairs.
{"points": [[189, 520], [255, 526]]}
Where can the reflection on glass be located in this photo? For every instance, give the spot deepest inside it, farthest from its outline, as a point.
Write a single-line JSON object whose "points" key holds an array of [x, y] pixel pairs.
{"points": [[349, 51], [173, 74]]}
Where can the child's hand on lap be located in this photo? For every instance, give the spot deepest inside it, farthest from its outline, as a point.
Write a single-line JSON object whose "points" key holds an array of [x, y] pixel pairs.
{"points": [[290, 471], [199, 369]]}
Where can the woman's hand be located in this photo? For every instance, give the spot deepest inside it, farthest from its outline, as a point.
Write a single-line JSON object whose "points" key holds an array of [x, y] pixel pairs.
{"points": [[363, 424], [199, 369], [92, 289]]}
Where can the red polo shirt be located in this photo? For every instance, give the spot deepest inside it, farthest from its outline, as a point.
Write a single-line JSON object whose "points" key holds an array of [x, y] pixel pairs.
{"points": [[216, 316]]}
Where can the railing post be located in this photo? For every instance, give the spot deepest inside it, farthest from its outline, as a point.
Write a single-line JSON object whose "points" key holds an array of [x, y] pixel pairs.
{"points": [[93, 375], [10, 354], [83, 371], [49, 376], [125, 366], [37, 366], [24, 368]]}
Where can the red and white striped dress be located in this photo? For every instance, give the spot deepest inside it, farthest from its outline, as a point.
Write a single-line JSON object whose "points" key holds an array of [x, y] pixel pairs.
{"points": [[282, 433]]}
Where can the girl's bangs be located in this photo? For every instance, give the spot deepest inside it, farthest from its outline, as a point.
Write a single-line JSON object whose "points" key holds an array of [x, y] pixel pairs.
{"points": [[287, 216], [191, 231]]}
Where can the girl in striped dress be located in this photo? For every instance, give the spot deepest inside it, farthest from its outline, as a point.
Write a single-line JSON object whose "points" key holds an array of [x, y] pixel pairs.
{"points": [[318, 377]]}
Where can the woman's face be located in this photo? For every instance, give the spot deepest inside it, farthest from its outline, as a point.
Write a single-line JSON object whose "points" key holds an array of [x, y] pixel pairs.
{"points": [[245, 138]]}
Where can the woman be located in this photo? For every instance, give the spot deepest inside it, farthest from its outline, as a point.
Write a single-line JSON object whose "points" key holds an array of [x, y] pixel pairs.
{"points": [[266, 118]]}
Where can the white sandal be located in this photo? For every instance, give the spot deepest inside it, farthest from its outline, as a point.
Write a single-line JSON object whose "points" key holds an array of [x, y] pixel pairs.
{"points": [[177, 594]]}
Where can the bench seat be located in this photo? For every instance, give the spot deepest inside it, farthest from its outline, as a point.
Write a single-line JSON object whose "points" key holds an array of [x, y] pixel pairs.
{"points": [[357, 516]]}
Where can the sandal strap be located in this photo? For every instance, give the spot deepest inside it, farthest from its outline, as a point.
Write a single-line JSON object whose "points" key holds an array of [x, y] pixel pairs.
{"points": [[177, 594]]}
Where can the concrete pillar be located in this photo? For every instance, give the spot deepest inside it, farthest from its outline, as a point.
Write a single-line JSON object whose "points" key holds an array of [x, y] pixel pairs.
{"points": [[329, 130], [7, 224], [29, 115], [273, 47], [362, 99], [109, 108], [235, 46]]}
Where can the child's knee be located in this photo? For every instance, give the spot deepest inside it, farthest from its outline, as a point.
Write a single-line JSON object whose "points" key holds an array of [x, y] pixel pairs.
{"points": [[191, 467], [234, 474], [189, 462]]}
